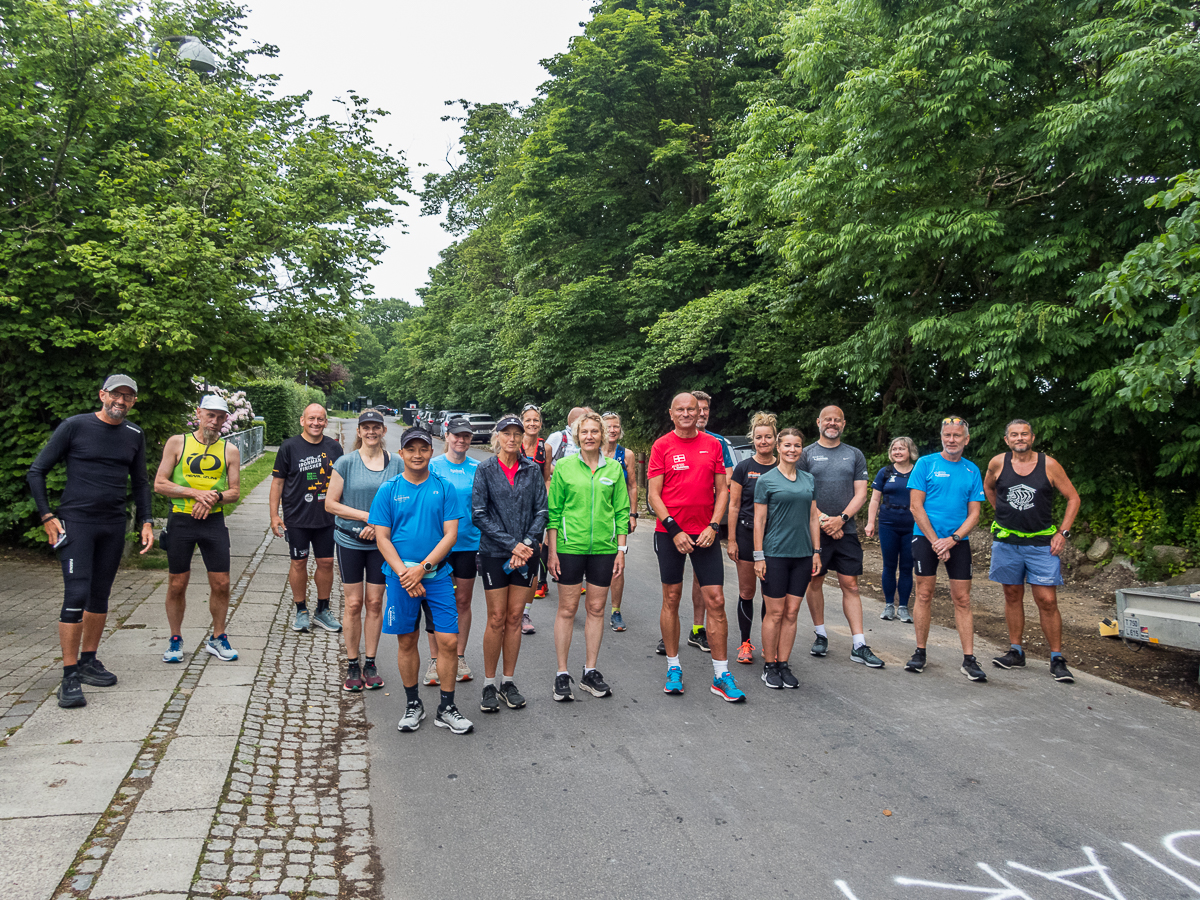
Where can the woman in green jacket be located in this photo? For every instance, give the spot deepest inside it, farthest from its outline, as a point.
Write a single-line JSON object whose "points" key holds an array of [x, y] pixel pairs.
{"points": [[589, 521]]}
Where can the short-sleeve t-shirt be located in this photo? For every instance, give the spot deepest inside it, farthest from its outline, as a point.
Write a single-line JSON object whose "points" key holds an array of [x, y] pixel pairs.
{"points": [[689, 467], [463, 478], [789, 505], [835, 470], [892, 485], [726, 451], [949, 487], [415, 514], [746, 474], [359, 485], [305, 469]]}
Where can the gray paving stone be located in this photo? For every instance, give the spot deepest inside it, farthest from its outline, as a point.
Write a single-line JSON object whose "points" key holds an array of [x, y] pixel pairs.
{"points": [[139, 867]]}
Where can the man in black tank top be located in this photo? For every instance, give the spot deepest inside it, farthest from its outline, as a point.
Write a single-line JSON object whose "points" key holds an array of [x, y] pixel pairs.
{"points": [[1020, 485]]}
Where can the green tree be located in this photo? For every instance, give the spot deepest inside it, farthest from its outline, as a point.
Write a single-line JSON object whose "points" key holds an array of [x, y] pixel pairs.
{"points": [[164, 224]]}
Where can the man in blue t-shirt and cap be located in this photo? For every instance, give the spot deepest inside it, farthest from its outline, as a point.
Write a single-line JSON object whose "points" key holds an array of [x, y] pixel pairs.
{"points": [[415, 516], [946, 495]]}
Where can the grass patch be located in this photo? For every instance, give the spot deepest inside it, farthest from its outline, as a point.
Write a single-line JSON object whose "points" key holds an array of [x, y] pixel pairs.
{"points": [[154, 558], [342, 414], [253, 475]]}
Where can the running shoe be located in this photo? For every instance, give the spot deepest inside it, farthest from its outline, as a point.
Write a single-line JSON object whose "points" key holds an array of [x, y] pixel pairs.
{"points": [[464, 671], [431, 675], [674, 681], [785, 674], [371, 677], [413, 714], [354, 679], [917, 663], [746, 653], [219, 647], [302, 622], [889, 612], [970, 668], [70, 692], [699, 639], [582, 588], [1013, 659], [771, 677], [593, 683], [540, 593], [450, 717], [864, 655], [562, 688], [726, 688], [527, 624], [820, 646], [1058, 668], [490, 702], [95, 674], [616, 622], [325, 619], [511, 696], [661, 649], [904, 615], [174, 652]]}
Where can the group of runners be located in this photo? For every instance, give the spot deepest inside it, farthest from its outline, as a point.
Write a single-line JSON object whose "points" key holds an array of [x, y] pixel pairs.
{"points": [[411, 533]]}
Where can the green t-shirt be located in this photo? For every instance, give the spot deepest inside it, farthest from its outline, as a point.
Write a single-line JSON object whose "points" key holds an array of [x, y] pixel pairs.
{"points": [[789, 505]]}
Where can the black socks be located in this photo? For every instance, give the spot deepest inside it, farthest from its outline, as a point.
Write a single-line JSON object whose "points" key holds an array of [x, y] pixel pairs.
{"points": [[322, 605], [447, 700], [302, 606], [412, 694]]}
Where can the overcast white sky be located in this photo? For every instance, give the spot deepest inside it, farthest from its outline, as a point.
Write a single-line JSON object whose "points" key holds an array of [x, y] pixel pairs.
{"points": [[408, 57]]}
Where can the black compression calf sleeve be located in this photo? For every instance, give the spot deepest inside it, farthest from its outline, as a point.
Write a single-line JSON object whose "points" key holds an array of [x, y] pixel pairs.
{"points": [[745, 616]]}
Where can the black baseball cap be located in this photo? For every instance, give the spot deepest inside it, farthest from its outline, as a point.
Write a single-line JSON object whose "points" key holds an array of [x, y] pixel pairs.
{"points": [[415, 434], [371, 415], [459, 425], [508, 422]]}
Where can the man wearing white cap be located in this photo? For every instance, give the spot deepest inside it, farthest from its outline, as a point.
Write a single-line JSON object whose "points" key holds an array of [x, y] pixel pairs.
{"points": [[104, 454], [200, 473]]}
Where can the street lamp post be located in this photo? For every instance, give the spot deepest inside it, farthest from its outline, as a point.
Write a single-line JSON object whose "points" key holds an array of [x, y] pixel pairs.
{"points": [[192, 52]]}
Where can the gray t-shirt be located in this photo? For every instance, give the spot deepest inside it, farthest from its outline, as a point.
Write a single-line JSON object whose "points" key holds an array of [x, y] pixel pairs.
{"points": [[789, 504], [835, 470], [359, 485]]}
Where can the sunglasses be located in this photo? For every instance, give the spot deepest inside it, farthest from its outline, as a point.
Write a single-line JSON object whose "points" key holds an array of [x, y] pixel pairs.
{"points": [[610, 415], [954, 420], [528, 406]]}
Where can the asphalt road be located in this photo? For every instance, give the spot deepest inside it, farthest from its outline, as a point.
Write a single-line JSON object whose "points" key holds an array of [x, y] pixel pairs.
{"points": [[861, 784]]}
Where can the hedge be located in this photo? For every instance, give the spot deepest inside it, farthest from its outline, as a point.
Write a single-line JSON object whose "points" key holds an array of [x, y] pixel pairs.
{"points": [[281, 403]]}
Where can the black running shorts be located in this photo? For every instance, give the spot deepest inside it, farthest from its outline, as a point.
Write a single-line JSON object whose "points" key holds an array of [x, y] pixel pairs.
{"points": [[707, 564], [495, 578], [787, 575], [844, 555], [360, 565], [597, 567], [187, 533], [464, 564], [745, 542], [925, 561], [299, 540]]}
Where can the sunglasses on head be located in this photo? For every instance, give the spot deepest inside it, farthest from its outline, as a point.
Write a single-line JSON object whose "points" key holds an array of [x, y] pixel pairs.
{"points": [[528, 407], [954, 420]]}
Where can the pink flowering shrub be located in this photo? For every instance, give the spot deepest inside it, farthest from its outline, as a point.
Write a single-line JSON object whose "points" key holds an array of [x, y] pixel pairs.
{"points": [[241, 413]]}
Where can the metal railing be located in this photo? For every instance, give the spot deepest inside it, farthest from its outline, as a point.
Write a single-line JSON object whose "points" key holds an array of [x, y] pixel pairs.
{"points": [[248, 442]]}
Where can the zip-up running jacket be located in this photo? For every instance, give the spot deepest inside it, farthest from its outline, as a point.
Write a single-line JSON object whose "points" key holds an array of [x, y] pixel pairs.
{"points": [[508, 514], [588, 509]]}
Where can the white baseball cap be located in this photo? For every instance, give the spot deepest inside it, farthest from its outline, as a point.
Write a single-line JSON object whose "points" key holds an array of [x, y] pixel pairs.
{"points": [[212, 401]]}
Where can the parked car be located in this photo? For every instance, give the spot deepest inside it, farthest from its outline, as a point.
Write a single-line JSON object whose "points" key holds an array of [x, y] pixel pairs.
{"points": [[740, 450], [443, 420], [482, 425]]}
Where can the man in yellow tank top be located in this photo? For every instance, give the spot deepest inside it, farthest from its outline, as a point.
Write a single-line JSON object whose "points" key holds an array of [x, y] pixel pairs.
{"points": [[201, 473]]}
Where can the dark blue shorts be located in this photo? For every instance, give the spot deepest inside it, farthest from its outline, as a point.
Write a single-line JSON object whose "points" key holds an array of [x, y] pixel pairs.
{"points": [[401, 610], [1021, 563]]}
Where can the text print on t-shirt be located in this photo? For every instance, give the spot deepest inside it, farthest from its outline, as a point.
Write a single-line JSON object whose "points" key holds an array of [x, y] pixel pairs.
{"points": [[313, 467]]}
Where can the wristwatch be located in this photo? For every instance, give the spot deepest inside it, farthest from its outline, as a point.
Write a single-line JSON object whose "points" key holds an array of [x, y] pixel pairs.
{"points": [[845, 518], [956, 537], [428, 566], [635, 515], [527, 542], [1065, 534], [715, 526], [220, 496]]}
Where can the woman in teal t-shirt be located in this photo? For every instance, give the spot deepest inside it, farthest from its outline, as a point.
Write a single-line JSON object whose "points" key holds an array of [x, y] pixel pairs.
{"points": [[787, 553]]}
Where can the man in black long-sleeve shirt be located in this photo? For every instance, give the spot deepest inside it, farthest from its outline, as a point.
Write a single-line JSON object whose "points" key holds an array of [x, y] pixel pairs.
{"points": [[101, 451]]}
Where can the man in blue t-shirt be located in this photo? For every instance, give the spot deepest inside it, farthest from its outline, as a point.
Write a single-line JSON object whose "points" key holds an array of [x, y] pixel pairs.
{"points": [[459, 469], [415, 518], [946, 495]]}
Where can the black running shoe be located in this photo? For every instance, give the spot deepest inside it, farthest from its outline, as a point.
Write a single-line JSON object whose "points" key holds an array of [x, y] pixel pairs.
{"points": [[1013, 659], [511, 696], [490, 702], [562, 688], [593, 683], [95, 674], [971, 669], [917, 663], [1058, 668], [70, 693], [785, 674], [820, 646], [661, 649], [770, 677], [699, 639]]}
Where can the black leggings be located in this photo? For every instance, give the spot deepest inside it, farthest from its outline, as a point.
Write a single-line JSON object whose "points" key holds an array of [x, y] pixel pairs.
{"points": [[90, 559]]}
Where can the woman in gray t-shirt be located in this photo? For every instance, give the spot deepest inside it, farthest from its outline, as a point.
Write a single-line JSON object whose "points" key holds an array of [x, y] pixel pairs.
{"points": [[352, 486], [787, 553]]}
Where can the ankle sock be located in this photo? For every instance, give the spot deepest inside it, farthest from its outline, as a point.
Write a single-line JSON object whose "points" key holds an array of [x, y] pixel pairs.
{"points": [[70, 670], [322, 605], [820, 629], [859, 641], [1017, 647], [86, 657], [673, 661], [412, 694], [720, 667], [447, 700], [302, 606], [369, 660]]}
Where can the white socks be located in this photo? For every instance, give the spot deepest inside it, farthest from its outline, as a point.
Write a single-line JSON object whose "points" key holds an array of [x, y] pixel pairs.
{"points": [[820, 629]]}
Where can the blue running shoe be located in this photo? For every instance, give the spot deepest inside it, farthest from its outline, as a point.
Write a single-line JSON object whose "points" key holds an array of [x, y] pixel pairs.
{"points": [[174, 652], [674, 681], [218, 646], [726, 688], [617, 623]]}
